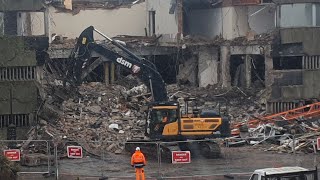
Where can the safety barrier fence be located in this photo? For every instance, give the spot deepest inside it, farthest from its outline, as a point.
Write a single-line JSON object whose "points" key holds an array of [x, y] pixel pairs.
{"points": [[33, 156], [165, 160]]}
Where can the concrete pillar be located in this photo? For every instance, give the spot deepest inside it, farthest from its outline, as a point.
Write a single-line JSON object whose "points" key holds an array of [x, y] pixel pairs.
{"points": [[112, 73], [39, 74], [180, 19], [268, 66], [106, 73], [225, 66], [47, 29], [247, 64]]}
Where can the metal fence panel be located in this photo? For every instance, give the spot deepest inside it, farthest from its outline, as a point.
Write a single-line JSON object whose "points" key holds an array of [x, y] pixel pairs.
{"points": [[103, 162], [238, 159], [35, 155]]}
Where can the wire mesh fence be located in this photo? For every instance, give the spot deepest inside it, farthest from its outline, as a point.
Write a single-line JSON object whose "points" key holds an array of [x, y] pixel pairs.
{"points": [[32, 156], [192, 159]]}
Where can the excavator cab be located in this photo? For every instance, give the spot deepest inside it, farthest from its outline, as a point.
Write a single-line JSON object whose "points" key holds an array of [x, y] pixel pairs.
{"points": [[163, 118]]}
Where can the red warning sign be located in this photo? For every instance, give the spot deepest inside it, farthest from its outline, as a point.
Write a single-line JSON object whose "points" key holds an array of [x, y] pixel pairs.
{"points": [[179, 157], [12, 154], [74, 151]]}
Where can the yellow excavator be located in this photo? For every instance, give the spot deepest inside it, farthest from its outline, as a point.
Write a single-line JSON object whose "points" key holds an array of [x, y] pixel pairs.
{"points": [[166, 121]]}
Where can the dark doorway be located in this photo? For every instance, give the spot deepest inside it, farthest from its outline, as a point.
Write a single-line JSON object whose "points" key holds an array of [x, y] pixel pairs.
{"points": [[237, 70], [257, 70]]}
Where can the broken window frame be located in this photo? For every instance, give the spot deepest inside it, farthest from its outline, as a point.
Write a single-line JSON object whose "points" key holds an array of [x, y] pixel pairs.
{"points": [[1, 23], [152, 23], [281, 17], [283, 63]]}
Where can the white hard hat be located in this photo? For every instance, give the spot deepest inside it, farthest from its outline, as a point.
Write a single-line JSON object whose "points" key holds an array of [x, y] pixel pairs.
{"points": [[137, 149]]}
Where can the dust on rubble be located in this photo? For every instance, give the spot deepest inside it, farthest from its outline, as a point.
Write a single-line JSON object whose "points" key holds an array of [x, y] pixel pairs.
{"points": [[95, 112], [100, 113], [100, 117]]}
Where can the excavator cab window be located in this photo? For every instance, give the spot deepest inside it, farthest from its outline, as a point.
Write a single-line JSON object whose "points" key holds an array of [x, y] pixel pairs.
{"points": [[164, 115], [159, 117]]}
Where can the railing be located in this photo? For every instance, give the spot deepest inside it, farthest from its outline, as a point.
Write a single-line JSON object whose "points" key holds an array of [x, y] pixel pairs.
{"points": [[238, 158]]}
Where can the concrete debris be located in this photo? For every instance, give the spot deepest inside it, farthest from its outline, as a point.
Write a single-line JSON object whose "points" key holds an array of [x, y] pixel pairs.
{"points": [[142, 89], [114, 126], [100, 113], [285, 137], [95, 112], [36, 159], [93, 109], [110, 115]]}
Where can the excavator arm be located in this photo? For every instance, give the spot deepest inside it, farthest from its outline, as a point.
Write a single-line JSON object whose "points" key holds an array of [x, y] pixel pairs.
{"points": [[86, 48]]}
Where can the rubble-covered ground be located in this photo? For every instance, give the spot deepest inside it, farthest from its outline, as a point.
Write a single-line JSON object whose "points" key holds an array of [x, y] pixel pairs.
{"points": [[94, 113]]}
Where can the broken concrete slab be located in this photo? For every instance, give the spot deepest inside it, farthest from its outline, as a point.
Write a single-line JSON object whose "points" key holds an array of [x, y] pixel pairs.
{"points": [[94, 109]]}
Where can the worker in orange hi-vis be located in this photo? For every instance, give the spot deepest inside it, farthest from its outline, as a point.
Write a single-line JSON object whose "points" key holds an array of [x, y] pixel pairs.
{"points": [[138, 161]]}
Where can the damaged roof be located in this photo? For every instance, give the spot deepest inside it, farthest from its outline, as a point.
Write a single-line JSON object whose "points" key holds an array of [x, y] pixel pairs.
{"points": [[78, 5], [22, 5]]}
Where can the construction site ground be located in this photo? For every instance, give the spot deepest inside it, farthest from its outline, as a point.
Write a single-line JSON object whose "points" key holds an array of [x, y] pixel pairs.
{"points": [[237, 162]]}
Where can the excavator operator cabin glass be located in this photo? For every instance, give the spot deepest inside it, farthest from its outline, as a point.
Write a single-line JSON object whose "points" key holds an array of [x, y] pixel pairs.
{"points": [[158, 115]]}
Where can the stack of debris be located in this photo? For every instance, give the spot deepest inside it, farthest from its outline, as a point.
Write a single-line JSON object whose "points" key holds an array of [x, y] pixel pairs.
{"points": [[102, 117], [284, 136]]}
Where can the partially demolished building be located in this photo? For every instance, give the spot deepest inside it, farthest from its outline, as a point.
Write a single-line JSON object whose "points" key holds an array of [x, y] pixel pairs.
{"points": [[20, 65], [249, 43], [271, 44]]}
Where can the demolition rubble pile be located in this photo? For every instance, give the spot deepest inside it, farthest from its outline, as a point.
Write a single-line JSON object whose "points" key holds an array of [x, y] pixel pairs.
{"points": [[282, 136], [100, 117], [235, 103]]}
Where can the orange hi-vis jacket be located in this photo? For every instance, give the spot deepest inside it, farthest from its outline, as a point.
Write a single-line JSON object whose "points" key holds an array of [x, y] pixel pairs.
{"points": [[138, 160]]}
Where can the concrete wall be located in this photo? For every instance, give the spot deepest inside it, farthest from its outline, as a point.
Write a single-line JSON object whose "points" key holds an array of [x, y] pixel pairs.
{"points": [[38, 25], [230, 22], [290, 85], [122, 21], [235, 23], [166, 24], [24, 97], [296, 15], [208, 64], [13, 54], [206, 23], [21, 133], [262, 21], [188, 71]]}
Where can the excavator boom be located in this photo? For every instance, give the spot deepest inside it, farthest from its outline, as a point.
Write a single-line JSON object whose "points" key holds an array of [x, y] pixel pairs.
{"points": [[87, 48], [164, 121]]}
